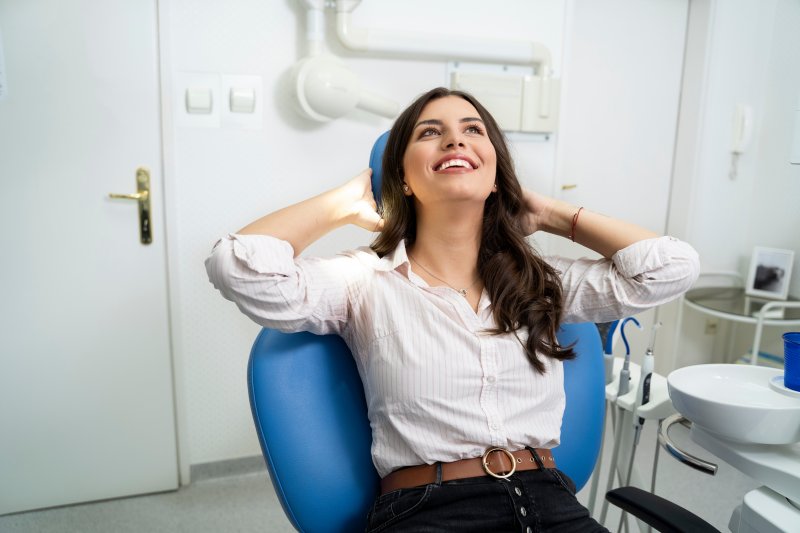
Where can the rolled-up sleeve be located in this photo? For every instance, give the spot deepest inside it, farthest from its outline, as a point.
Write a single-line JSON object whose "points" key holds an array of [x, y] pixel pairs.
{"points": [[643, 275], [261, 276]]}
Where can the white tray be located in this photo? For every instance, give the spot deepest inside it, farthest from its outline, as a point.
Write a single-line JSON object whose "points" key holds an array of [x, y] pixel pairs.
{"points": [[777, 384]]}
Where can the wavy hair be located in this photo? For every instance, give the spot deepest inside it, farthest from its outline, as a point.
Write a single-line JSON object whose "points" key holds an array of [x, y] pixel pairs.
{"points": [[524, 290]]}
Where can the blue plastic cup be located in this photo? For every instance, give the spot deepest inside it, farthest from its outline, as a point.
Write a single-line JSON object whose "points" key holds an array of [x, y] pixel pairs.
{"points": [[791, 360]]}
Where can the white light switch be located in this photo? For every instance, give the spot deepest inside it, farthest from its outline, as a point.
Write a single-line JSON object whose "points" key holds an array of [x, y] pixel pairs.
{"points": [[198, 100], [243, 99], [244, 108]]}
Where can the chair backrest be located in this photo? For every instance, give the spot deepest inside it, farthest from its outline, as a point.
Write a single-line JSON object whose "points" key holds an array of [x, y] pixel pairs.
{"points": [[311, 418]]}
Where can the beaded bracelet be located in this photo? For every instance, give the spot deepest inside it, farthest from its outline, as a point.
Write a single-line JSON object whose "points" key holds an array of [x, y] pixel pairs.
{"points": [[574, 223]]}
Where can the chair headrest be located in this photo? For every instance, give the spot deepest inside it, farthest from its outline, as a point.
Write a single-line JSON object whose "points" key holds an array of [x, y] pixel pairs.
{"points": [[376, 164]]}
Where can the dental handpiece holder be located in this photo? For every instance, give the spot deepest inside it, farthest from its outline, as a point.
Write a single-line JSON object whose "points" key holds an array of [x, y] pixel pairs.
{"points": [[659, 406]]}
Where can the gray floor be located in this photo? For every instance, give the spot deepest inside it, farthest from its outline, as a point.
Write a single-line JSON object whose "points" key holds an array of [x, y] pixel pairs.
{"points": [[238, 497]]}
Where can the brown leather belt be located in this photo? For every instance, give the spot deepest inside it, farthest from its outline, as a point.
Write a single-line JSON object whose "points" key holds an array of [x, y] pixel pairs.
{"points": [[496, 462]]}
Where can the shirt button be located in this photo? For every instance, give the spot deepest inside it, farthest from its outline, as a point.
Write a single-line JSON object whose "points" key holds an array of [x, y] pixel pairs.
{"points": [[490, 379], [495, 426], [523, 511], [519, 492]]}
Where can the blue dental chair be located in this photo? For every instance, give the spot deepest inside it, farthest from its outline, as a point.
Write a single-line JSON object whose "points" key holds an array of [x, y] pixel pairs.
{"points": [[310, 414]]}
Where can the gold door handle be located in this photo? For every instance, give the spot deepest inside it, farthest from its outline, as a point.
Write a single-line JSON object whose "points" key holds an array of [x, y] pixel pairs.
{"points": [[569, 187], [135, 196], [142, 196]]}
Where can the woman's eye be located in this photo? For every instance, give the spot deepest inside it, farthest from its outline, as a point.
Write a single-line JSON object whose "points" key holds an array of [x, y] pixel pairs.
{"points": [[428, 132], [474, 129]]}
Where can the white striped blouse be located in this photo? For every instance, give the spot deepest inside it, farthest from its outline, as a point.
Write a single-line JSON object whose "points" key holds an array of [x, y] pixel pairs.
{"points": [[437, 388]]}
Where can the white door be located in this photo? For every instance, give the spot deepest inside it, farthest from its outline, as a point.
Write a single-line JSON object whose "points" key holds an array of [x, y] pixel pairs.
{"points": [[623, 65], [86, 394]]}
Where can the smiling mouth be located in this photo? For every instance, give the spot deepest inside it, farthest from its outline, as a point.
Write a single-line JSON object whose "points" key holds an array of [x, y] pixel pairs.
{"points": [[457, 163]]}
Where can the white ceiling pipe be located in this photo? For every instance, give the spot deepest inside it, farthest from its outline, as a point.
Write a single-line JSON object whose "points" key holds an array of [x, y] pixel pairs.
{"points": [[447, 48], [315, 26], [442, 46]]}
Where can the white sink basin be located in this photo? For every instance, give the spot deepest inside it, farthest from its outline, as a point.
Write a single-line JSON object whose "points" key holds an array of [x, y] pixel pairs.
{"points": [[736, 402]]}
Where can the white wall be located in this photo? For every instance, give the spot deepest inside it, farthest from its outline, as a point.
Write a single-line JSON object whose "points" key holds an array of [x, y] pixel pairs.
{"points": [[219, 179], [744, 51], [622, 83], [776, 186]]}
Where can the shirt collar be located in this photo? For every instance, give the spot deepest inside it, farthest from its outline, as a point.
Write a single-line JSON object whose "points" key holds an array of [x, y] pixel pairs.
{"points": [[395, 260], [398, 260]]}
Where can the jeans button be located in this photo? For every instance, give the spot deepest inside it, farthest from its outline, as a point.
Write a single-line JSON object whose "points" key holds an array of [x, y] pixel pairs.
{"points": [[519, 492], [523, 511]]}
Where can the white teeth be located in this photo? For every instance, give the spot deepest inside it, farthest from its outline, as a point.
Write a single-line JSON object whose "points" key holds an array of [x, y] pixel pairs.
{"points": [[454, 163]]}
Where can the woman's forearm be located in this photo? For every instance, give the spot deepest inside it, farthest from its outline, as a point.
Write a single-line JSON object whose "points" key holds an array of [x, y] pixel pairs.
{"points": [[303, 223], [600, 233]]}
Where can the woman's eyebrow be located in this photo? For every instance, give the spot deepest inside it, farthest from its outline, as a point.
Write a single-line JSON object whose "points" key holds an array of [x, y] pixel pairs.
{"points": [[437, 122]]}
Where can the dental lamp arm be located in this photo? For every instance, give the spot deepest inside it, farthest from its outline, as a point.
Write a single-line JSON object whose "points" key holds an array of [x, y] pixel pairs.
{"points": [[305, 222], [442, 47]]}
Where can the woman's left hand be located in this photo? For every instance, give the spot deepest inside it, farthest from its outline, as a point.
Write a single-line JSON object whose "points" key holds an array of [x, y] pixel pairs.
{"points": [[538, 209]]}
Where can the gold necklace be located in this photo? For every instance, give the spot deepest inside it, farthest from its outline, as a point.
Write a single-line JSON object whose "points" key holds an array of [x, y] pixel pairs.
{"points": [[463, 292]]}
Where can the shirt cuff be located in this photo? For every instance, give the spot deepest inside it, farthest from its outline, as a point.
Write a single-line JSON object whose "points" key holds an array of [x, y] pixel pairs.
{"points": [[644, 256], [264, 254]]}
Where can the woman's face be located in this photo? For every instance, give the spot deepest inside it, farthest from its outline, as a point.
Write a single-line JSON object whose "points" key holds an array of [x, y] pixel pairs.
{"points": [[449, 156]]}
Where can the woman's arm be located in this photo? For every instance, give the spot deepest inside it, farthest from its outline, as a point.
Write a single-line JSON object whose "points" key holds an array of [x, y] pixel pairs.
{"points": [[258, 268], [639, 271], [303, 223], [602, 234], [645, 274]]}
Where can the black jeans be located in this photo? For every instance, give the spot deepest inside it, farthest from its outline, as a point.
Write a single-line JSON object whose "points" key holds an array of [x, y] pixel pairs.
{"points": [[531, 502]]}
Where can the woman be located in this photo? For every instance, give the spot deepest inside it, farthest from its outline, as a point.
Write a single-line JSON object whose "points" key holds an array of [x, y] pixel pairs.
{"points": [[452, 317]]}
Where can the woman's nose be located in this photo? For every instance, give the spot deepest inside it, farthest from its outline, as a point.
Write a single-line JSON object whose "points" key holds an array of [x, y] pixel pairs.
{"points": [[453, 139]]}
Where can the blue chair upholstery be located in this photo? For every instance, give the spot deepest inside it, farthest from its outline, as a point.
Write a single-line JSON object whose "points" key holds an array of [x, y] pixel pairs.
{"points": [[585, 389], [311, 418]]}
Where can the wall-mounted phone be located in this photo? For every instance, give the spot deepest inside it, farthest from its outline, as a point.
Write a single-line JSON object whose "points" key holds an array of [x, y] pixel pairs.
{"points": [[794, 153], [742, 134], [742, 128]]}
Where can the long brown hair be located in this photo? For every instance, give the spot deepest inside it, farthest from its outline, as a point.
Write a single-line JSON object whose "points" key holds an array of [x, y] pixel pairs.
{"points": [[524, 290]]}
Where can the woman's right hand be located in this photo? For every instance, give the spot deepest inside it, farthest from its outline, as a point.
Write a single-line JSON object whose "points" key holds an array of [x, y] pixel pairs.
{"points": [[359, 204]]}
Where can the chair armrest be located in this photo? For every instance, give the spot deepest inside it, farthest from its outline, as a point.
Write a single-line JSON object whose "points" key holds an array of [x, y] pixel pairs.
{"points": [[657, 512]]}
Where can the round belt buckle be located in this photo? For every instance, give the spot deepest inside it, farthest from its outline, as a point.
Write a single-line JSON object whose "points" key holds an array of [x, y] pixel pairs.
{"points": [[485, 461]]}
